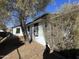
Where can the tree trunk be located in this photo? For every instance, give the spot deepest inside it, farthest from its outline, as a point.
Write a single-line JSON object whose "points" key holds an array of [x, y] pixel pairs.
{"points": [[23, 26]]}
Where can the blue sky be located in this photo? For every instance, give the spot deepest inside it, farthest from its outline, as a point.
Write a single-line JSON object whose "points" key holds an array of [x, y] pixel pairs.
{"points": [[51, 8], [54, 6], [11, 20]]}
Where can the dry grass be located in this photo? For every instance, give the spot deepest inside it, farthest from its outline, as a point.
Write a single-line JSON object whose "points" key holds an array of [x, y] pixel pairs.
{"points": [[27, 51]]}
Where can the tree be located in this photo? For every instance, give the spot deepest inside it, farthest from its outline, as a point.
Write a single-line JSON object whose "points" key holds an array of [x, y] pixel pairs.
{"points": [[69, 20], [29, 8], [2, 25], [68, 8], [3, 11], [24, 7]]}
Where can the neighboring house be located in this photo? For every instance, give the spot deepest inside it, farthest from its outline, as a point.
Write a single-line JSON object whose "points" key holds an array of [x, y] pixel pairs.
{"points": [[37, 28], [17, 31], [34, 29], [59, 31]]}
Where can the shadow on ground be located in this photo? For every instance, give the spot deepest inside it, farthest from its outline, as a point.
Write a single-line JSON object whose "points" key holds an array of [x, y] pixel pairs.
{"points": [[64, 54], [9, 45]]}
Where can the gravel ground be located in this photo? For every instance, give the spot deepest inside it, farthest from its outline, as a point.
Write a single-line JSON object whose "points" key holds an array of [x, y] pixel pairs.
{"points": [[27, 51]]}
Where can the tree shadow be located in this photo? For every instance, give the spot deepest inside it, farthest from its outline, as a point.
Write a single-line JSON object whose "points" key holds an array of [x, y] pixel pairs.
{"points": [[63, 54], [70, 54], [9, 45]]}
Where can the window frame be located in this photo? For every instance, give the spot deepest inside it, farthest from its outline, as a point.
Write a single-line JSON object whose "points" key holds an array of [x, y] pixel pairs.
{"points": [[17, 30], [36, 29]]}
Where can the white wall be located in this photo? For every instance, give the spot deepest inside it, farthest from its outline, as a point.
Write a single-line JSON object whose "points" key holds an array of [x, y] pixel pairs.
{"points": [[41, 38], [17, 34]]}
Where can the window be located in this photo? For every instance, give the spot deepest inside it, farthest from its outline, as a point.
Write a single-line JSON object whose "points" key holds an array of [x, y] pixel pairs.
{"points": [[17, 30], [36, 29], [28, 28]]}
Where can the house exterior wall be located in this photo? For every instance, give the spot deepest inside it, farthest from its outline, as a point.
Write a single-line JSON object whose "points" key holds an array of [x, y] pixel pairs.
{"points": [[61, 32], [40, 38], [17, 34]]}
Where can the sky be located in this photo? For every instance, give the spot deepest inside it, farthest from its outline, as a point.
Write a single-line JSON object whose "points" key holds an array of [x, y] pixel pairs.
{"points": [[52, 7], [11, 20], [55, 5]]}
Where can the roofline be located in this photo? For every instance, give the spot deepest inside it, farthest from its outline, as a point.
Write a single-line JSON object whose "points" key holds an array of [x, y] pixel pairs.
{"points": [[16, 26], [60, 15], [37, 18], [34, 20]]}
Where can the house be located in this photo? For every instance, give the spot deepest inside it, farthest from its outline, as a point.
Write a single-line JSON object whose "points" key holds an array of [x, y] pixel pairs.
{"points": [[56, 30], [35, 30], [38, 30], [17, 31], [59, 31]]}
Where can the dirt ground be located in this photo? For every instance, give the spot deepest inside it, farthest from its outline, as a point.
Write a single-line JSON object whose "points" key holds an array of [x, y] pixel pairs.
{"points": [[27, 51]]}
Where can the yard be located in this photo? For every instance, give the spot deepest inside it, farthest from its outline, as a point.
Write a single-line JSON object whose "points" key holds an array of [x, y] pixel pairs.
{"points": [[27, 51]]}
